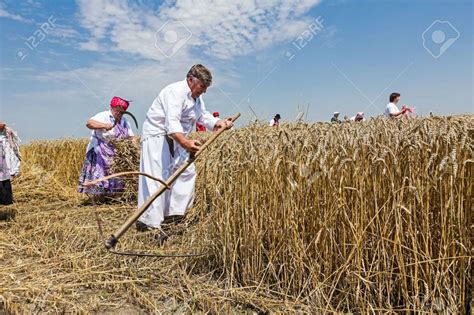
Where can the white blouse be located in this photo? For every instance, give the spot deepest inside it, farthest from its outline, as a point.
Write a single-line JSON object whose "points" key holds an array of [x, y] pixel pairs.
{"points": [[174, 110], [106, 117]]}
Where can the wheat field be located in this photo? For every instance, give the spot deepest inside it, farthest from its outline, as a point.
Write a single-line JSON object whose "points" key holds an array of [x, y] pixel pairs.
{"points": [[311, 218]]}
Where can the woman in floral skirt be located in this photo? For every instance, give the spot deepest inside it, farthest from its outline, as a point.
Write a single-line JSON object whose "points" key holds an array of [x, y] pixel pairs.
{"points": [[106, 126]]}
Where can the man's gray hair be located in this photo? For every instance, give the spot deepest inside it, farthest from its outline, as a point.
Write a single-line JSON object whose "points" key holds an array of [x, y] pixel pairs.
{"points": [[201, 73]]}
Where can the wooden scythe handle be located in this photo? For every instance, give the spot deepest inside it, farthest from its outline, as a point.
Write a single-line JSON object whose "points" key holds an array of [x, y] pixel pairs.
{"points": [[112, 241], [87, 184]]}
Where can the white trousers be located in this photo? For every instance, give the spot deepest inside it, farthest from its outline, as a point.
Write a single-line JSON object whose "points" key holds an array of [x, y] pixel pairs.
{"points": [[156, 160]]}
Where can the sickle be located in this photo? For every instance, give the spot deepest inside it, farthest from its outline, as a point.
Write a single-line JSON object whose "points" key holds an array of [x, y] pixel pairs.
{"points": [[133, 117]]}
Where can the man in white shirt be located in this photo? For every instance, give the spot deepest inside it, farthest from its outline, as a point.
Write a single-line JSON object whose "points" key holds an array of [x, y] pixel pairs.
{"points": [[166, 146], [392, 111]]}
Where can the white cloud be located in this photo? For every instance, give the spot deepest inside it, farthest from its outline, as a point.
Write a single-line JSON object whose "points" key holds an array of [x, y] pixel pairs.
{"points": [[103, 80], [329, 37], [220, 29], [64, 32], [77, 94], [64, 36], [4, 13]]}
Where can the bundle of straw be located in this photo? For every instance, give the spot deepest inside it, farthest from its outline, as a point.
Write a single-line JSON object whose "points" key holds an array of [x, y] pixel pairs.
{"points": [[127, 158]]}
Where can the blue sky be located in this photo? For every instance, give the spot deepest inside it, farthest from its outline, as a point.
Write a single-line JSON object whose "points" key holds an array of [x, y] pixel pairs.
{"points": [[62, 61]]}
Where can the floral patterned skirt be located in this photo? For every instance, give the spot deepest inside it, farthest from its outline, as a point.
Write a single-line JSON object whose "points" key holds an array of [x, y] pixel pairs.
{"points": [[97, 165]]}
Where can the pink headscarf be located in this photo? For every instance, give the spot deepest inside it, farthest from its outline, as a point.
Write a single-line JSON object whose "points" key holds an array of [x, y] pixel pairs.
{"points": [[119, 102]]}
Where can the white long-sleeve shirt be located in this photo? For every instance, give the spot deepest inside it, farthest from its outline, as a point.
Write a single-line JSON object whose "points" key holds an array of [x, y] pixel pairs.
{"points": [[106, 117], [174, 110]]}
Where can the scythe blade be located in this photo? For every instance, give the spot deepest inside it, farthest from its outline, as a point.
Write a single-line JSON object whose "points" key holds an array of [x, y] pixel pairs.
{"points": [[133, 117]]}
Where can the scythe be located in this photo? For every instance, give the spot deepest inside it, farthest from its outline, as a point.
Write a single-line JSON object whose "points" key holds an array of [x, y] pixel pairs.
{"points": [[113, 240]]}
